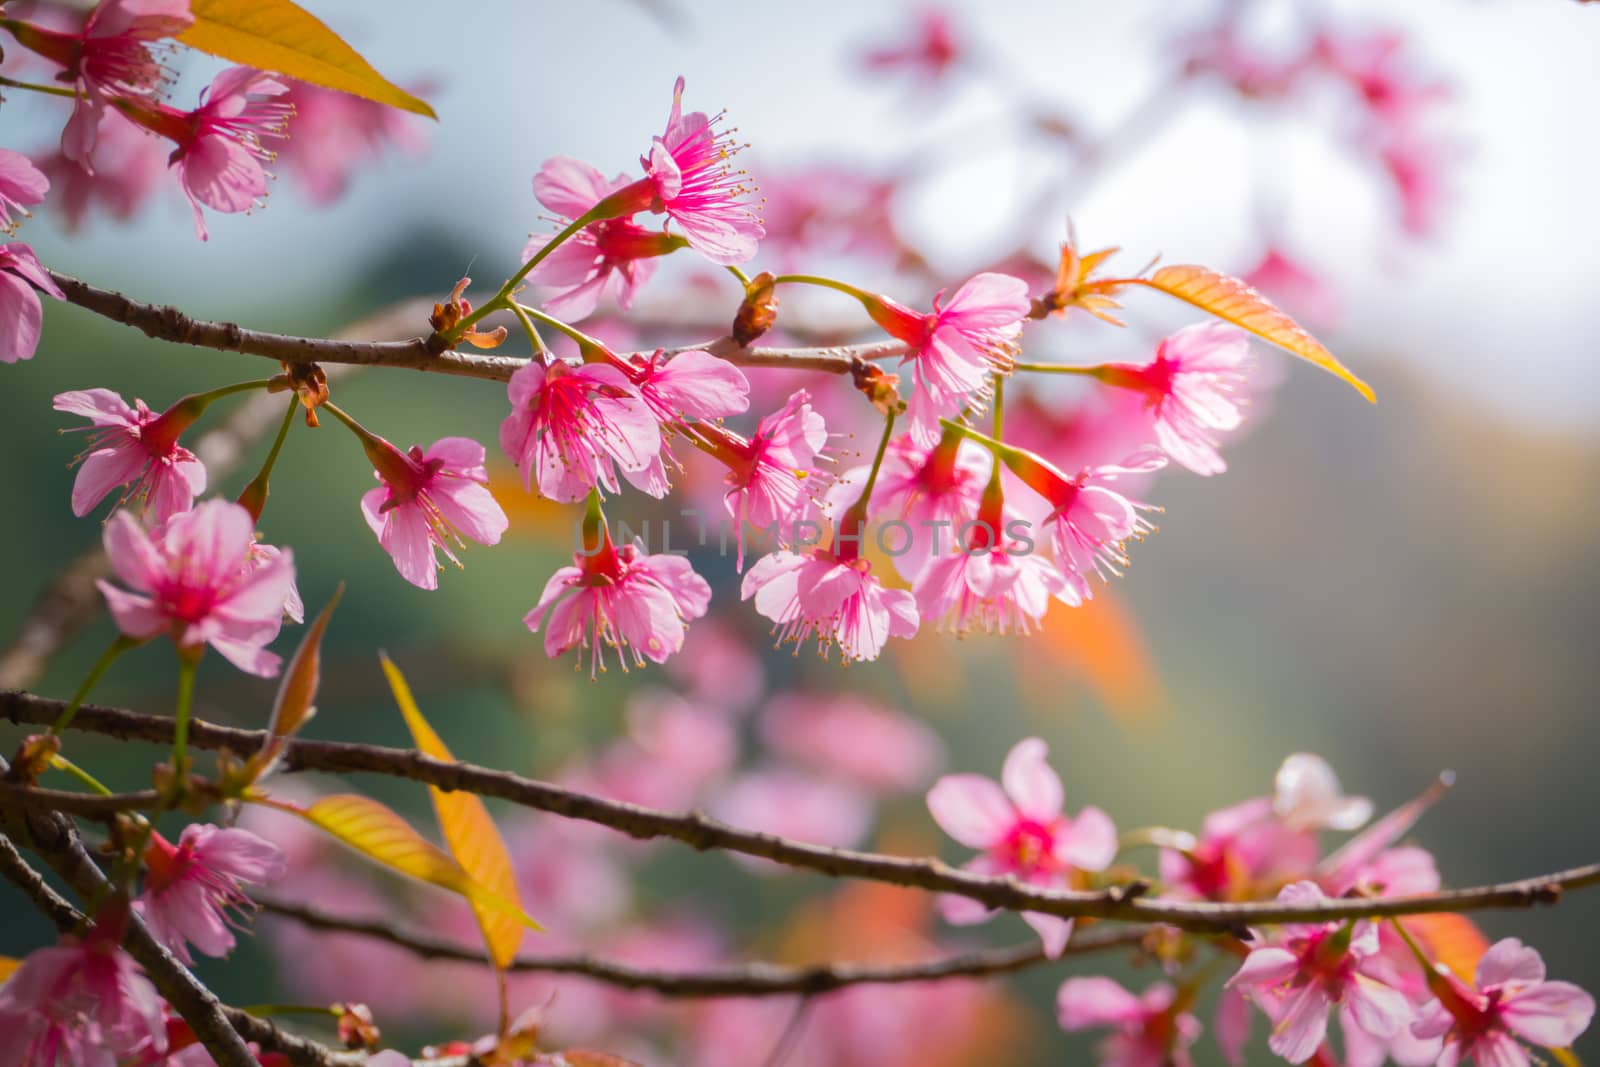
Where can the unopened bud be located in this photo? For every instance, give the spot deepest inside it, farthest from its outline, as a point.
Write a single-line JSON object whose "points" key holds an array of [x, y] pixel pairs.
{"points": [[356, 1028], [879, 387], [310, 383], [759, 310]]}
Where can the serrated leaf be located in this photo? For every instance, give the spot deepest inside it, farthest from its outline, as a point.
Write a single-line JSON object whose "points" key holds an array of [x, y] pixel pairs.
{"points": [[380, 834], [282, 37], [1235, 301], [294, 706], [468, 830]]}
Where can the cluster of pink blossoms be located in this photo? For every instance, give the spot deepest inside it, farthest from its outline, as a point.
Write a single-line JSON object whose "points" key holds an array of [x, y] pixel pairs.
{"points": [[1392, 1000]]}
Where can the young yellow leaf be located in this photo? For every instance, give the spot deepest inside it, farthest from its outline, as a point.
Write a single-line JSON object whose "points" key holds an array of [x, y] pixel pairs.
{"points": [[293, 707], [378, 833], [1234, 301], [468, 830], [283, 37], [8, 967]]}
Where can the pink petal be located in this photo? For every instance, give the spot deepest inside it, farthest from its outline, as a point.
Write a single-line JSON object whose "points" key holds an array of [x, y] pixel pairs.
{"points": [[699, 384], [134, 615], [1509, 960], [134, 557], [1090, 842], [1233, 1025], [408, 540], [570, 187], [1053, 930], [102, 407], [1083, 1003], [1265, 967], [1029, 781], [1302, 1026], [972, 809], [470, 508], [21, 319], [103, 471], [1378, 1009], [1550, 1013]]}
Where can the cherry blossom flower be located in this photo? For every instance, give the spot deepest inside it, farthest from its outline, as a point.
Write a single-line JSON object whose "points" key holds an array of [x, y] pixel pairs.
{"points": [[933, 492], [794, 804], [193, 579], [1240, 849], [621, 598], [1306, 795], [1290, 283], [129, 162], [853, 737], [835, 599], [21, 317], [111, 58], [1089, 521], [691, 181], [691, 385], [772, 476], [1509, 1002], [1019, 826], [134, 446], [427, 500], [571, 426], [996, 589], [1379, 67], [955, 348], [22, 185], [1298, 975], [1191, 389], [191, 886], [332, 133], [82, 1002], [219, 153], [1152, 1028], [612, 257], [930, 49]]}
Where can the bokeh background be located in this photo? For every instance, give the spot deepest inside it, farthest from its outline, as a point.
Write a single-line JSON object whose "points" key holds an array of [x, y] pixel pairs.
{"points": [[1402, 588]]}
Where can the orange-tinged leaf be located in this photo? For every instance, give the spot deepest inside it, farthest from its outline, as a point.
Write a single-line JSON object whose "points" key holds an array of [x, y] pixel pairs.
{"points": [[468, 831], [294, 705], [1101, 645], [8, 967], [1234, 301], [283, 37], [1451, 939], [1566, 1057]]}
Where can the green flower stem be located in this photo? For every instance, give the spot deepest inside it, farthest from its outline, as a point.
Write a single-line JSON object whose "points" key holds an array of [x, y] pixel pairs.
{"points": [[366, 435], [502, 299], [744, 279], [117, 647], [539, 347], [999, 449], [53, 90], [999, 408], [187, 664], [826, 283], [585, 342], [61, 763], [202, 399], [254, 496], [1096, 371]]}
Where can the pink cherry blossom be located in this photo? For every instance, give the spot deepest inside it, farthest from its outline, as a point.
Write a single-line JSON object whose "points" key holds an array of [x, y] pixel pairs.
{"points": [[22, 185], [828, 209], [129, 162], [80, 1003], [1306, 795], [1510, 1002], [1147, 1030], [718, 668], [834, 599], [692, 385], [1089, 521], [134, 446], [219, 153], [332, 133], [772, 477], [1191, 390], [1019, 826], [794, 804], [571, 426], [1223, 52], [955, 348], [110, 59], [994, 580], [853, 737], [612, 257], [190, 887], [427, 500], [623, 599], [194, 579], [1303, 971], [1240, 849], [21, 317], [691, 181], [1295, 286], [1379, 67], [930, 48]]}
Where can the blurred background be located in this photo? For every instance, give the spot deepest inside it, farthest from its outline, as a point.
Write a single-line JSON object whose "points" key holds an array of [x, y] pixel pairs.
{"points": [[1403, 588]]}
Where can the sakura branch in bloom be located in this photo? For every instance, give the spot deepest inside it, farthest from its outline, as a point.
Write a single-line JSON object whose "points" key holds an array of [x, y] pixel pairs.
{"points": [[1014, 461]]}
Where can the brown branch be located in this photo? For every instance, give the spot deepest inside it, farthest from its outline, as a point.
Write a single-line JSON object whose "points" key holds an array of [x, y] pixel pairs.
{"points": [[83, 805], [699, 831], [417, 353], [746, 980]]}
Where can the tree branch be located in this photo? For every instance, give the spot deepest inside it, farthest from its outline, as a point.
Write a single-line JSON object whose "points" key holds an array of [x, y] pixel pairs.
{"points": [[747, 980], [701, 832], [417, 353]]}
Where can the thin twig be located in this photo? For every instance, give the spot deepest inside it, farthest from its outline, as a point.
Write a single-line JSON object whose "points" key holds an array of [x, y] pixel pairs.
{"points": [[1123, 902], [743, 980]]}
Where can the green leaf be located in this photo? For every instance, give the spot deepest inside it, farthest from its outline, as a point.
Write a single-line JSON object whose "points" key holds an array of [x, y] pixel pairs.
{"points": [[282, 37]]}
